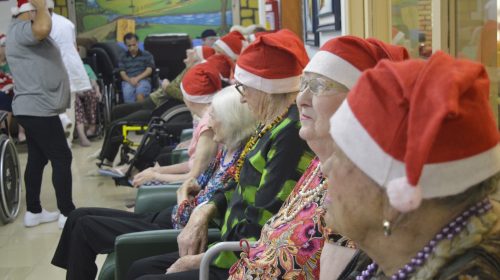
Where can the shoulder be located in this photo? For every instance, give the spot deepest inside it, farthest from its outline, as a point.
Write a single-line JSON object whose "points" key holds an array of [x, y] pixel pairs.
{"points": [[480, 262], [146, 53]]}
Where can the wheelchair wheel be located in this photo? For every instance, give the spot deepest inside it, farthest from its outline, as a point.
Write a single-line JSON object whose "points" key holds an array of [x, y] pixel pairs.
{"points": [[177, 113], [10, 181]]}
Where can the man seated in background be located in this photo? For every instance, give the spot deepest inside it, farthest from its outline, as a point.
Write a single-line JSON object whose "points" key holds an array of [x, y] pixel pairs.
{"points": [[209, 36], [136, 67]]}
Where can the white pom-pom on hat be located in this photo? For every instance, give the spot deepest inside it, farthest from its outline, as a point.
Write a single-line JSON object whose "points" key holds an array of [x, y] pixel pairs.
{"points": [[403, 196]]}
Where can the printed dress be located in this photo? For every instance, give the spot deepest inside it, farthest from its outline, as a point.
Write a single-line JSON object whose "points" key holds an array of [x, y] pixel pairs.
{"points": [[291, 241]]}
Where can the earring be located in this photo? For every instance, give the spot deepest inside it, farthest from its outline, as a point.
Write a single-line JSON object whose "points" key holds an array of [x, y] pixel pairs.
{"points": [[386, 225]]}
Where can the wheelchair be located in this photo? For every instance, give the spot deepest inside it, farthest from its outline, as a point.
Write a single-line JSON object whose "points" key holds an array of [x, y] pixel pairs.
{"points": [[10, 176], [163, 130]]}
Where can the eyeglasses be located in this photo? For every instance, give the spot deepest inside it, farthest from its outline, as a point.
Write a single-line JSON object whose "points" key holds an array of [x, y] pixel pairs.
{"points": [[319, 86], [240, 88]]}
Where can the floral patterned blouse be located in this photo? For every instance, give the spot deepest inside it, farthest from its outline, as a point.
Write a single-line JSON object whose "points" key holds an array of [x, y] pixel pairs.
{"points": [[216, 176], [291, 241]]}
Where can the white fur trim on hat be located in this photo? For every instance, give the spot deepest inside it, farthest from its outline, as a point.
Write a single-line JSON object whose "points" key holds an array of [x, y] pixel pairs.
{"points": [[26, 7], [50, 4], [403, 196], [204, 99], [199, 52], [271, 86], [437, 179], [221, 44], [334, 67]]}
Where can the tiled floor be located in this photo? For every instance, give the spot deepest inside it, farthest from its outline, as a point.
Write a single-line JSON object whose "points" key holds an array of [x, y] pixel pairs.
{"points": [[25, 253]]}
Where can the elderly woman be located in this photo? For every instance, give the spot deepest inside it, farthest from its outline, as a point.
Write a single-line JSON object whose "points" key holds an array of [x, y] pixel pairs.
{"points": [[198, 87], [298, 230], [90, 231], [416, 156], [232, 124], [268, 74]]}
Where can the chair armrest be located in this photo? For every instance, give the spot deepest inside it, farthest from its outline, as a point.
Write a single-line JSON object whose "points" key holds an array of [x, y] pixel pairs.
{"points": [[186, 134], [134, 246], [211, 253], [155, 198]]}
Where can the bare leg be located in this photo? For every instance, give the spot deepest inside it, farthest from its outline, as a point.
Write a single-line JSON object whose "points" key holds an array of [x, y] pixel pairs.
{"points": [[84, 141]]}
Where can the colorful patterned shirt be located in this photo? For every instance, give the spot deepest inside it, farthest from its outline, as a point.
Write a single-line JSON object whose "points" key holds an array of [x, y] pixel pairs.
{"points": [[291, 242], [216, 176], [480, 262], [269, 173]]}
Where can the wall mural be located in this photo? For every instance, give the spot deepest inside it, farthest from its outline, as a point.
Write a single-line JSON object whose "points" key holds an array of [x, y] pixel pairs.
{"points": [[98, 18]]}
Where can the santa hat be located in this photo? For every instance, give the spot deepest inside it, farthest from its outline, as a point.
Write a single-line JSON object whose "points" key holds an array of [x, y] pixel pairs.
{"points": [[204, 52], [252, 37], [200, 83], [3, 39], [343, 59], [22, 6], [420, 129], [232, 44], [6, 82], [223, 64], [273, 63]]}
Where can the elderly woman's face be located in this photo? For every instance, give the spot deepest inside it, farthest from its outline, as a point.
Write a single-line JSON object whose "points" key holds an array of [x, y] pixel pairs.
{"points": [[216, 125], [252, 97], [353, 201], [318, 100]]}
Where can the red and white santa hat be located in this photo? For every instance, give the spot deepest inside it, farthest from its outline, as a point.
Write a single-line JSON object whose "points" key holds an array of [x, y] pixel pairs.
{"points": [[420, 129], [273, 63], [343, 59], [252, 37], [22, 6], [232, 44], [223, 64], [204, 52], [3, 39], [201, 83]]}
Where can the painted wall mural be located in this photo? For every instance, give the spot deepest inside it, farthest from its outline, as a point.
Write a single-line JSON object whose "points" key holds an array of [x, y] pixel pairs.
{"points": [[98, 18]]}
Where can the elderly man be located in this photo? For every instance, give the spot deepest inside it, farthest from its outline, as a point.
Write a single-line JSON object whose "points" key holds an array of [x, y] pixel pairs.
{"points": [[135, 68], [42, 93]]}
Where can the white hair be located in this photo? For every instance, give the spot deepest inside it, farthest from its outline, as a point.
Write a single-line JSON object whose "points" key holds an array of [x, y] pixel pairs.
{"points": [[238, 123]]}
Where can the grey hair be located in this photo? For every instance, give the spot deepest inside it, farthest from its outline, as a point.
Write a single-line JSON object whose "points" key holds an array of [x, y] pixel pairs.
{"points": [[238, 123]]}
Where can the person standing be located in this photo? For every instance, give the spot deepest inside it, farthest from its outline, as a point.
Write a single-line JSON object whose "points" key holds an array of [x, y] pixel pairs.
{"points": [[42, 93], [63, 33]]}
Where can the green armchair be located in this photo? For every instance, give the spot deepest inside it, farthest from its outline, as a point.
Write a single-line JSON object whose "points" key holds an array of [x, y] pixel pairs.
{"points": [[134, 246], [148, 199]]}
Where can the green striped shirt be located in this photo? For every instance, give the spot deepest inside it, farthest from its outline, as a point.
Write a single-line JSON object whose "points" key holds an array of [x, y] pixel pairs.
{"points": [[269, 174]]}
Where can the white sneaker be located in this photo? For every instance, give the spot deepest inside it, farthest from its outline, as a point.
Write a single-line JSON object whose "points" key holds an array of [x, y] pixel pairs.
{"points": [[32, 219], [62, 221]]}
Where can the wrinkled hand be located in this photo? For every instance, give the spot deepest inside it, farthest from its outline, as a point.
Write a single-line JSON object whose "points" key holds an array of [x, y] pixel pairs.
{"points": [[143, 177], [186, 263], [189, 187], [38, 4], [194, 236]]}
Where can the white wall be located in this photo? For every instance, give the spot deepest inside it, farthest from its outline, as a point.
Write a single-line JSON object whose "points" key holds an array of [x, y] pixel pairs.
{"points": [[5, 14]]}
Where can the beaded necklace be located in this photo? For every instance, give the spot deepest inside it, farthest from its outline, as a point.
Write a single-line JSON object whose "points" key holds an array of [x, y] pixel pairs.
{"points": [[449, 232], [253, 140], [214, 165], [305, 196]]}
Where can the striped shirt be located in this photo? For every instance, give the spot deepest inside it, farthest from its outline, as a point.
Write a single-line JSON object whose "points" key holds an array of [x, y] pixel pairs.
{"points": [[269, 174], [134, 66]]}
